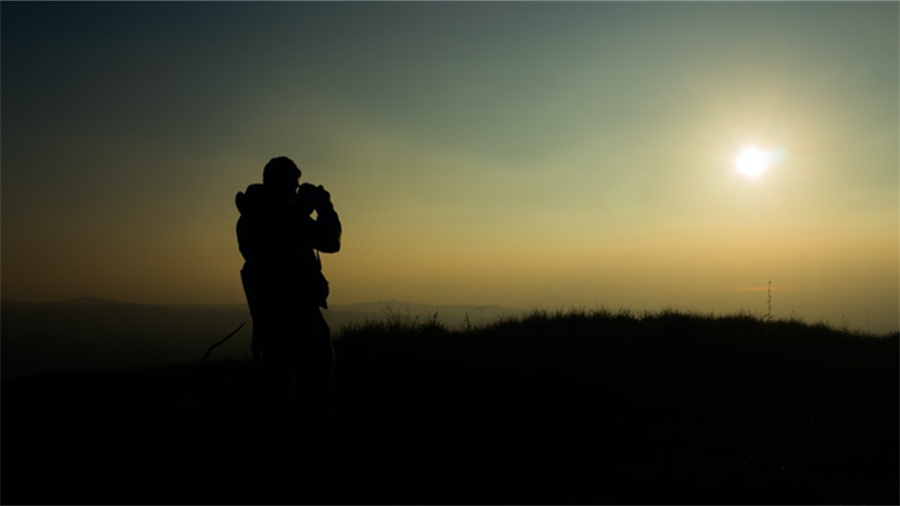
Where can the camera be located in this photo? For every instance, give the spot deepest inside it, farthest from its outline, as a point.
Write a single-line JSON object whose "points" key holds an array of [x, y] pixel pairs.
{"points": [[310, 197]]}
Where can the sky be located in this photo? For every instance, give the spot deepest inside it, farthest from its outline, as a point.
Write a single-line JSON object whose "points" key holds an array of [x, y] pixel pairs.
{"points": [[526, 154]]}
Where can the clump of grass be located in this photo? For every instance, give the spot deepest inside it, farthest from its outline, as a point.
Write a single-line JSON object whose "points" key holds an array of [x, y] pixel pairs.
{"points": [[393, 323], [395, 333]]}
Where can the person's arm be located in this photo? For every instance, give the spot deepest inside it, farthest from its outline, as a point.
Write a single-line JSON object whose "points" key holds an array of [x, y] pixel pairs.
{"points": [[327, 237]]}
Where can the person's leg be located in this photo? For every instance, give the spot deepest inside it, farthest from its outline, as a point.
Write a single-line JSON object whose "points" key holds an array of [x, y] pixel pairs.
{"points": [[315, 388], [276, 378], [275, 385]]}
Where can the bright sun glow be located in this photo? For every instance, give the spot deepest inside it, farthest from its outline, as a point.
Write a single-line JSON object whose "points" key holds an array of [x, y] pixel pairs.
{"points": [[752, 161]]}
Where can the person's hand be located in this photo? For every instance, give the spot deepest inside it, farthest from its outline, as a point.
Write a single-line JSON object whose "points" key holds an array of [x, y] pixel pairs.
{"points": [[313, 197], [324, 196]]}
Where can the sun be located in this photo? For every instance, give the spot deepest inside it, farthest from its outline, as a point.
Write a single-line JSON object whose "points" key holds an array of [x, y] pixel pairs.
{"points": [[752, 161]]}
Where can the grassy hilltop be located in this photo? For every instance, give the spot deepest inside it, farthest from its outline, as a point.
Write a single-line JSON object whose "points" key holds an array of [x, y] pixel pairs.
{"points": [[574, 407]]}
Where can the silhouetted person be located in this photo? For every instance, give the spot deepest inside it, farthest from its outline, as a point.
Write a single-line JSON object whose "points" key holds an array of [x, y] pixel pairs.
{"points": [[284, 285]]}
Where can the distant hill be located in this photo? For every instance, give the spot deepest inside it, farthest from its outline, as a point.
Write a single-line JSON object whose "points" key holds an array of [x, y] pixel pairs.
{"points": [[74, 302], [87, 302], [92, 334]]}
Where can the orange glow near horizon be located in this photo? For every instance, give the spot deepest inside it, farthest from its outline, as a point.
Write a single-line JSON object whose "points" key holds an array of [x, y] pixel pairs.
{"points": [[590, 160]]}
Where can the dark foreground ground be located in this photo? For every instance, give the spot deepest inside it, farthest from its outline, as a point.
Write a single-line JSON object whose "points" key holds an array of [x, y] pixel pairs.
{"points": [[550, 409]]}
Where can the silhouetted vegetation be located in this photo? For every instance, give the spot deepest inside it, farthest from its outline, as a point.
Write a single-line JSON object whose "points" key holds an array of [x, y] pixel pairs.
{"points": [[551, 407]]}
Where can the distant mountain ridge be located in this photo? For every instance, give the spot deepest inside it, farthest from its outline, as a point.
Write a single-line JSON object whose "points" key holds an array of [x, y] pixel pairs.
{"points": [[73, 302], [87, 302]]}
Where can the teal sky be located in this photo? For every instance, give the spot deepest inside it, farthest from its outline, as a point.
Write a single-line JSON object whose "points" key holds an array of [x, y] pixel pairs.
{"points": [[518, 153]]}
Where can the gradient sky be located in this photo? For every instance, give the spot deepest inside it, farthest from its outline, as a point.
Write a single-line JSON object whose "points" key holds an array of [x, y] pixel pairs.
{"points": [[525, 154]]}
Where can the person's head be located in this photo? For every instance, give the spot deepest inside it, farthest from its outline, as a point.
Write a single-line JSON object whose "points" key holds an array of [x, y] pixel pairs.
{"points": [[281, 176]]}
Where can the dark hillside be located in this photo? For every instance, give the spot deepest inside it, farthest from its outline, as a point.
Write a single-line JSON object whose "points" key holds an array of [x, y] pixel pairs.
{"points": [[599, 408], [551, 408]]}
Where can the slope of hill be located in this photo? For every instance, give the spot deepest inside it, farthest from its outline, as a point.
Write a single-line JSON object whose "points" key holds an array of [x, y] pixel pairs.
{"points": [[548, 408]]}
